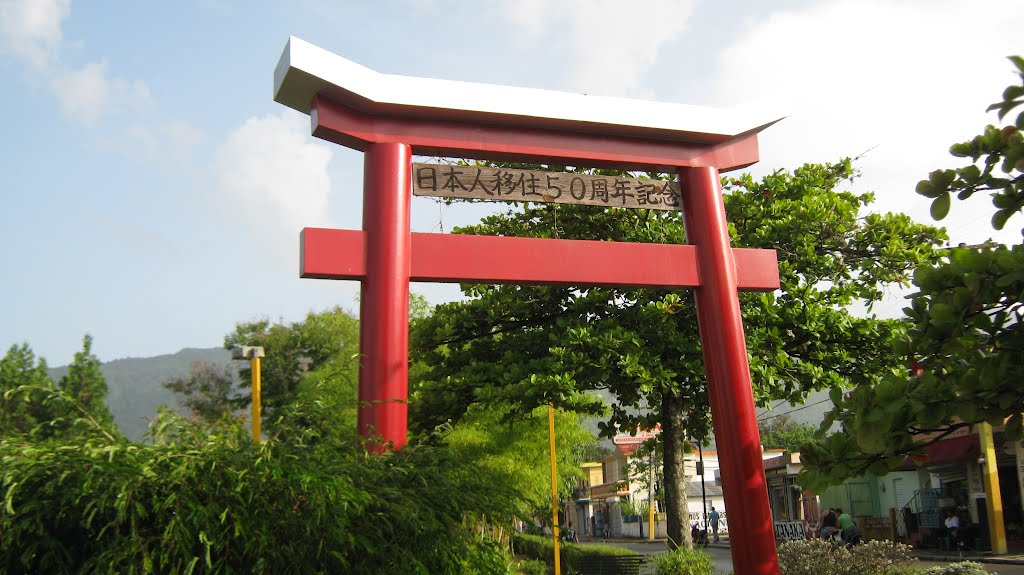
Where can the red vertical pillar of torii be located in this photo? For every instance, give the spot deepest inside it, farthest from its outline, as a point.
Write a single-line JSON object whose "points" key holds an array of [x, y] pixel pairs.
{"points": [[390, 118], [725, 361], [384, 301]]}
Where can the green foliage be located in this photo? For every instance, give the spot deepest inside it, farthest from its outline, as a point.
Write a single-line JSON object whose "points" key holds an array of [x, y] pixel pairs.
{"points": [[24, 384], [518, 450], [533, 567], [34, 408], [684, 561], [324, 341], [783, 433], [543, 548], [85, 383], [540, 547], [526, 346], [206, 390], [960, 568], [641, 508], [997, 162], [209, 500], [964, 329], [821, 557]]}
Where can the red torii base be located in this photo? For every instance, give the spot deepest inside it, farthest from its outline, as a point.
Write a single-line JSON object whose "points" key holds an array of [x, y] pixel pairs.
{"points": [[381, 255]]}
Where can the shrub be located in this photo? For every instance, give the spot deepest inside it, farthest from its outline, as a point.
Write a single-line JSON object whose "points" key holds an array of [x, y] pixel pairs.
{"points": [[214, 502], [543, 548], [961, 568], [533, 567], [684, 562], [534, 546], [821, 557]]}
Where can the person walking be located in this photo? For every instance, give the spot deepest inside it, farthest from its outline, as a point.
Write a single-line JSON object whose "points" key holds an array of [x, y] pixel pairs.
{"points": [[713, 518]]}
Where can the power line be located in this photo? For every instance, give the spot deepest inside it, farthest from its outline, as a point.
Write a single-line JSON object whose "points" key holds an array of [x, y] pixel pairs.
{"points": [[794, 410]]}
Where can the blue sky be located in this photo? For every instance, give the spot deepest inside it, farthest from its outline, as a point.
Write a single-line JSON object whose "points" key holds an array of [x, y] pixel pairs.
{"points": [[152, 191]]}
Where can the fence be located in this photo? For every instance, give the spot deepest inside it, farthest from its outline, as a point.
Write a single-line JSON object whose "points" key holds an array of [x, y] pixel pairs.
{"points": [[920, 518]]}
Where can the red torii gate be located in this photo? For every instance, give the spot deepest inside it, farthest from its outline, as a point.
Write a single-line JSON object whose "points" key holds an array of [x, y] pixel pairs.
{"points": [[389, 118]]}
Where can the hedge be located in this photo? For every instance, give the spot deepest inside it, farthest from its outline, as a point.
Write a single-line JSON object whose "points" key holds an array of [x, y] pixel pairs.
{"points": [[543, 548]]}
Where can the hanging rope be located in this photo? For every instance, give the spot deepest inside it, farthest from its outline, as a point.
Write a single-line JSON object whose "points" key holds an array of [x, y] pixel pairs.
{"points": [[554, 221]]}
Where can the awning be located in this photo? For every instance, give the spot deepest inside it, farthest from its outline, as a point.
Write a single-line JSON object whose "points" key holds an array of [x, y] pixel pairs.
{"points": [[960, 449]]}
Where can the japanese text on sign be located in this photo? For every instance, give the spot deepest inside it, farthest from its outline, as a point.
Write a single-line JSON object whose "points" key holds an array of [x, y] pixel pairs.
{"points": [[501, 184]]}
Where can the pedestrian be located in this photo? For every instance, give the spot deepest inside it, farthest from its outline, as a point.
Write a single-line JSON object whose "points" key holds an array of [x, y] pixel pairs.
{"points": [[828, 524], [952, 524], [848, 531], [713, 518]]}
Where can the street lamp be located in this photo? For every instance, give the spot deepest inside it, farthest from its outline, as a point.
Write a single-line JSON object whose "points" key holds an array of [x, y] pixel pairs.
{"points": [[253, 354]]}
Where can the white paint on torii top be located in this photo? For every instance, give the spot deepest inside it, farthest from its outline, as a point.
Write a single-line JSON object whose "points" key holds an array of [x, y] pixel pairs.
{"points": [[305, 70]]}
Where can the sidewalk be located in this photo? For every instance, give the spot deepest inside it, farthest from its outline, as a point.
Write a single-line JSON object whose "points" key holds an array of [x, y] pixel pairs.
{"points": [[1014, 557]]}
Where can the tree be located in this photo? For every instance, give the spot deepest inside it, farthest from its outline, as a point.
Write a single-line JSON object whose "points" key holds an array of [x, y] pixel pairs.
{"points": [[85, 383], [207, 390], [35, 408], [965, 335], [207, 498], [518, 450], [300, 355], [781, 432], [24, 382], [328, 338], [525, 346]]}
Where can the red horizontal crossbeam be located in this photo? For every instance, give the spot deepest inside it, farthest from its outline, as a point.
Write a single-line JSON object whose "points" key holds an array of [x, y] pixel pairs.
{"points": [[355, 129], [455, 258]]}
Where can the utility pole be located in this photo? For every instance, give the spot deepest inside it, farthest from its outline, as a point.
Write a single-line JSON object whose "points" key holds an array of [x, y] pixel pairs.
{"points": [[554, 488], [993, 496], [703, 493], [650, 495]]}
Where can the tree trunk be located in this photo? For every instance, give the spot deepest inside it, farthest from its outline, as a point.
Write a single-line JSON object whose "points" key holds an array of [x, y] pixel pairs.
{"points": [[673, 437]]}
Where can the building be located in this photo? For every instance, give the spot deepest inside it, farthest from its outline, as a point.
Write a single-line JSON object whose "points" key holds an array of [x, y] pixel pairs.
{"points": [[613, 489]]}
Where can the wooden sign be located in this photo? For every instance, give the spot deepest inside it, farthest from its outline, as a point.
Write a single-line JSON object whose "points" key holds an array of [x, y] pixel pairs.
{"points": [[509, 185]]}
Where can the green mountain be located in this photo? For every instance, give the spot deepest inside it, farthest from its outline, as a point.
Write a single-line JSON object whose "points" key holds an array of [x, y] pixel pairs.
{"points": [[136, 389]]}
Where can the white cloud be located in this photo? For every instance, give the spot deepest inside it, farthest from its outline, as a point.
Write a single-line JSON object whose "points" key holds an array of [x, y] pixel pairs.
{"points": [[909, 77], [83, 94], [32, 29], [613, 44], [618, 42], [273, 179], [169, 144], [88, 94]]}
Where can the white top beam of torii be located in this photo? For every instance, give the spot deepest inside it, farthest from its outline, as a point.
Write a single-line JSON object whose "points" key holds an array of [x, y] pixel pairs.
{"points": [[305, 71]]}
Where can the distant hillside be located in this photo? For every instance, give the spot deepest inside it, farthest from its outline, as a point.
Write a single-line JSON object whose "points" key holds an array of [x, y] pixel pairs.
{"points": [[136, 391], [135, 384]]}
